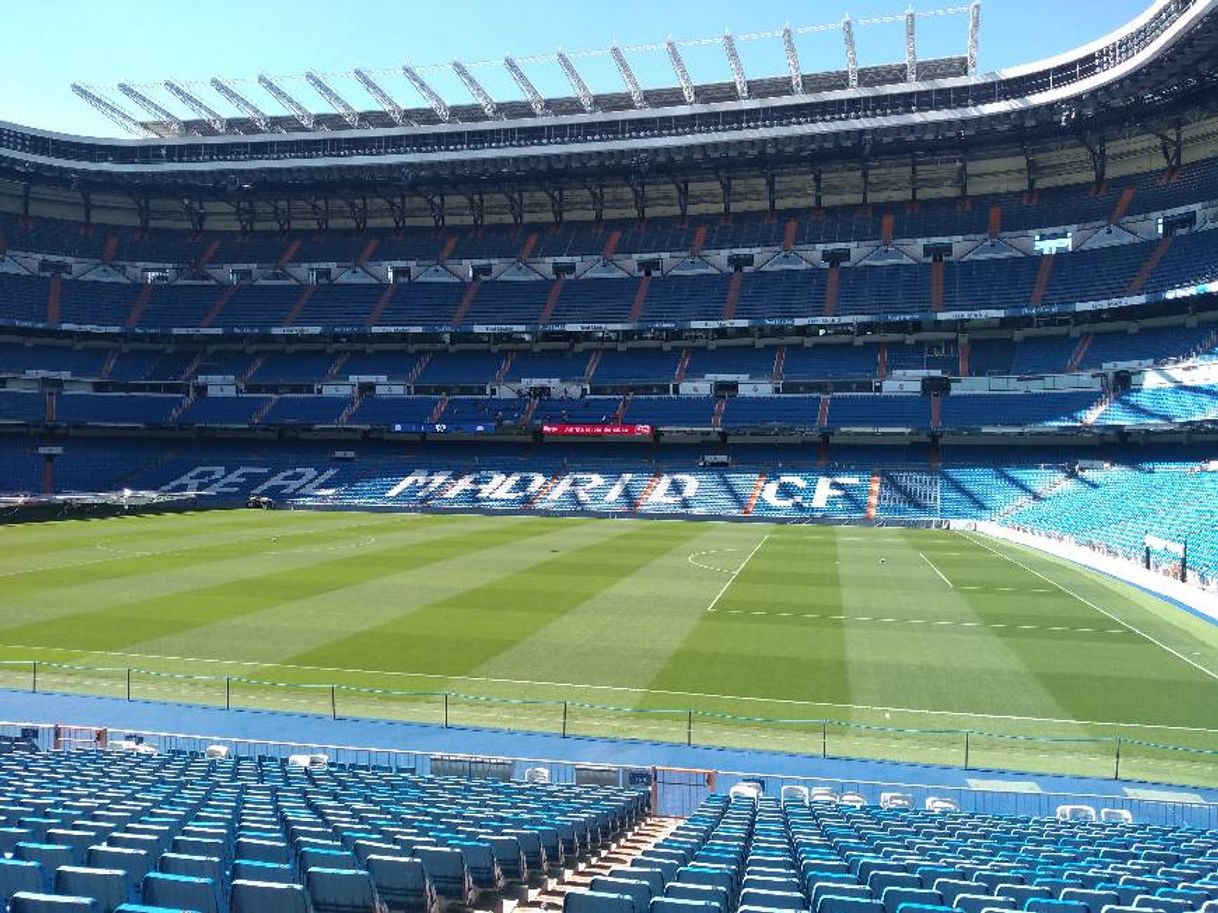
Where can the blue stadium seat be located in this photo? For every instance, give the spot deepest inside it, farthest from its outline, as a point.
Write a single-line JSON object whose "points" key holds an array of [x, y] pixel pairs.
{"points": [[403, 884], [26, 902], [21, 875], [268, 897], [111, 888], [182, 892], [341, 891]]}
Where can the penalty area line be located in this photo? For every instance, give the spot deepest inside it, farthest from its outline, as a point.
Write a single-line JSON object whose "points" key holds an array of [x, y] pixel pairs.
{"points": [[736, 573], [942, 576]]}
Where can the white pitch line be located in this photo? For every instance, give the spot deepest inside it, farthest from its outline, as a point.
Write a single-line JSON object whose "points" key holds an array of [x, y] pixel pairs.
{"points": [[942, 576], [732, 579], [1091, 605], [629, 689], [942, 622]]}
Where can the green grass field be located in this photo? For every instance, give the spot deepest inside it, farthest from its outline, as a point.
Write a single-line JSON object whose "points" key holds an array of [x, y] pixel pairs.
{"points": [[900, 639]]}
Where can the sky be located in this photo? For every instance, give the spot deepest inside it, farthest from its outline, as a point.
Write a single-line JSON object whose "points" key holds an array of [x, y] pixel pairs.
{"points": [[50, 45]]}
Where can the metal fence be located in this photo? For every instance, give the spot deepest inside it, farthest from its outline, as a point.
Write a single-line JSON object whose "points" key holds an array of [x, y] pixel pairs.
{"points": [[1116, 756], [675, 791]]}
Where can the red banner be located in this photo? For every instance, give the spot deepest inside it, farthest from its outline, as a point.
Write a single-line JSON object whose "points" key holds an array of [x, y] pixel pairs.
{"points": [[597, 430]]}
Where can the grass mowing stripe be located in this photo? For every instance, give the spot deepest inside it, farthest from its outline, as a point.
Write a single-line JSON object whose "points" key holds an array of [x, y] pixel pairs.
{"points": [[139, 621], [1087, 602], [458, 634]]}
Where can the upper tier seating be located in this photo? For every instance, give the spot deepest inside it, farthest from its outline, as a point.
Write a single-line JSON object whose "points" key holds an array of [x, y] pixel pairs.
{"points": [[259, 836], [1049, 208], [863, 289]]}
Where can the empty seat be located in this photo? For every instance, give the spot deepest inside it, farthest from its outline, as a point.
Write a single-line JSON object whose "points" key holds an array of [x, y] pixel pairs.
{"points": [[403, 884], [636, 889], [976, 903], [448, 872], [20, 875], [109, 887], [834, 904], [774, 900], [196, 866], [27, 902], [248, 870], [268, 897], [654, 877], [896, 897], [598, 902], [50, 855], [133, 864], [341, 891], [262, 850], [702, 893], [182, 892]]}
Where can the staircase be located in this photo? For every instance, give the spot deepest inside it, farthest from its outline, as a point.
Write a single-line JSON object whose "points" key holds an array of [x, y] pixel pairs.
{"points": [[780, 359], [366, 255], [108, 365], [1092, 415], [382, 303], [620, 414], [789, 233], [717, 416], [294, 314], [505, 366], [1122, 206], [1138, 282], [1080, 351], [733, 295], [182, 406], [526, 250], [994, 225], [881, 361], [611, 243], [140, 303], [438, 412], [1043, 272], [822, 414], [357, 399], [263, 410], [288, 255], [216, 309], [110, 251], [640, 299], [209, 254], [699, 242], [419, 365], [450, 245], [248, 373], [936, 411], [53, 294], [647, 490], [682, 366], [340, 360], [594, 361], [937, 269], [964, 352], [1019, 503], [467, 300], [551, 301], [193, 368], [832, 285], [529, 410], [49, 404]]}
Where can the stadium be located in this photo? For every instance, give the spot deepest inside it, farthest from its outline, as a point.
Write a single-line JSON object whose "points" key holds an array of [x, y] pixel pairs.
{"points": [[797, 492]]}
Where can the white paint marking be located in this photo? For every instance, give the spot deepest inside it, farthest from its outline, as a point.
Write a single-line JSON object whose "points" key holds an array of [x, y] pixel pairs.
{"points": [[732, 579], [584, 686], [1091, 605], [942, 576], [710, 567]]}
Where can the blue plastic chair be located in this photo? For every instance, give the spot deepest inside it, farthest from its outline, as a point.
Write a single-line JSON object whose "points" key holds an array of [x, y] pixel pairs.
{"points": [[268, 897]]}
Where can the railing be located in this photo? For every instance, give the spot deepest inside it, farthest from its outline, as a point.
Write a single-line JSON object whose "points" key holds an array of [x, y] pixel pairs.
{"points": [[675, 791], [1042, 746]]}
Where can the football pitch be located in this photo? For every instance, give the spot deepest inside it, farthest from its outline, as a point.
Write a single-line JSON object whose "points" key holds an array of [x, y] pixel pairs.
{"points": [[920, 645]]}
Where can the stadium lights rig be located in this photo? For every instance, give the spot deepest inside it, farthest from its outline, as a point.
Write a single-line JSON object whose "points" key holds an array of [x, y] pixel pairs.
{"points": [[204, 119]]}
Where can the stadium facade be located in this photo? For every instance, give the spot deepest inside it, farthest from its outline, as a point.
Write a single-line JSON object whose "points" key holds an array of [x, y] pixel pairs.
{"points": [[912, 292]]}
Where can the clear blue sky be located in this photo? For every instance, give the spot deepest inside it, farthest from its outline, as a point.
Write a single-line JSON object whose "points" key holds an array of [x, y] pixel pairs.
{"points": [[50, 45]]}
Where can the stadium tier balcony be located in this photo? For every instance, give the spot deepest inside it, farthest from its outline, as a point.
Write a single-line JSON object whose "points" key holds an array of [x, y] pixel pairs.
{"points": [[930, 218]]}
